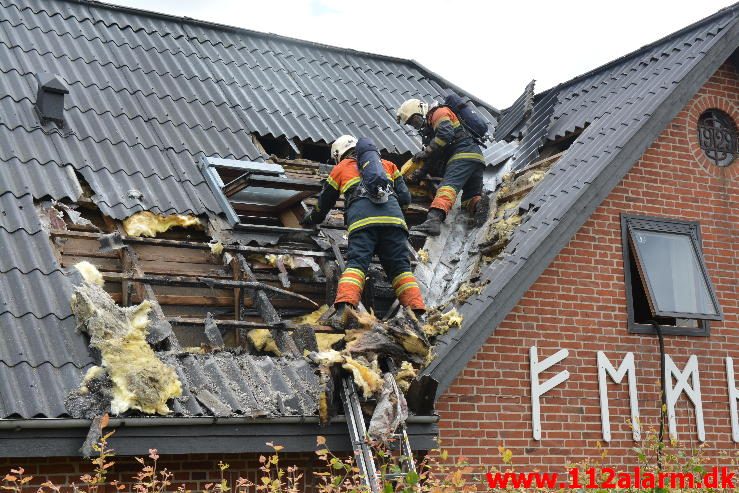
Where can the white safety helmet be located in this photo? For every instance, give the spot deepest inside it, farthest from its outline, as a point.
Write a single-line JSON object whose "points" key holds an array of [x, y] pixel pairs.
{"points": [[341, 146], [409, 108]]}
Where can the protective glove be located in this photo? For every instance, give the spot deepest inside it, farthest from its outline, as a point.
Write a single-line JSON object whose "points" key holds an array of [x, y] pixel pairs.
{"points": [[415, 176], [426, 152], [310, 218], [422, 155]]}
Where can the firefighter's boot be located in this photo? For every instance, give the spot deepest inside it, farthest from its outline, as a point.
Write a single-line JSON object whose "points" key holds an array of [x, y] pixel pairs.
{"points": [[340, 318], [432, 225]]}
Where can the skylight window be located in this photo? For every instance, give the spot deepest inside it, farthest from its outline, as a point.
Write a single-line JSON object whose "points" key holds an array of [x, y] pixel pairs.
{"points": [[667, 278]]}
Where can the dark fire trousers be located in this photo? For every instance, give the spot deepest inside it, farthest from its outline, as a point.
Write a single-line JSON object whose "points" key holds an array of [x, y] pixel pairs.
{"points": [[390, 243]]}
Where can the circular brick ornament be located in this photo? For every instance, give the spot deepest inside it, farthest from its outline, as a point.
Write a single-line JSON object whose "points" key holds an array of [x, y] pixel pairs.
{"points": [[695, 110]]}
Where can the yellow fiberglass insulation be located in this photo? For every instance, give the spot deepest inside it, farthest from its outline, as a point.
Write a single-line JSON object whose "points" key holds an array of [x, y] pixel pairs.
{"points": [[312, 318], [140, 380], [149, 224], [452, 318], [90, 273], [292, 262], [216, 247], [328, 358], [365, 377], [423, 256], [263, 341], [467, 290], [440, 323], [327, 340], [405, 375]]}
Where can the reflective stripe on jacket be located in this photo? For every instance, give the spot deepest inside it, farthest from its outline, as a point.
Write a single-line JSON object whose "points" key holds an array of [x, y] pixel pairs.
{"points": [[362, 212], [446, 132]]}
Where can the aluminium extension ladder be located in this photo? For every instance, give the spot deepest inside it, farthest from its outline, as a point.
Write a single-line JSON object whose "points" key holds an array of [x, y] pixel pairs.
{"points": [[363, 454]]}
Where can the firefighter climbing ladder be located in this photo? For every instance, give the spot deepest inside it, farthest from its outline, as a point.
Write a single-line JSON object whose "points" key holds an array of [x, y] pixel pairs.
{"points": [[363, 454]]}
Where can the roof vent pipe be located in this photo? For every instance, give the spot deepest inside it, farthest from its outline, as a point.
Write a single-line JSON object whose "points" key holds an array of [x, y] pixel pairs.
{"points": [[50, 99]]}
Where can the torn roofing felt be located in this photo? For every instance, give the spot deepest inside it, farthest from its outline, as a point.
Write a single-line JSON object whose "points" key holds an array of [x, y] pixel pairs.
{"points": [[622, 106]]}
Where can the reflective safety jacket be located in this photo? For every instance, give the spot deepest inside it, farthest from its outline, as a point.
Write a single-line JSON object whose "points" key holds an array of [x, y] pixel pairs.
{"points": [[444, 131], [361, 212]]}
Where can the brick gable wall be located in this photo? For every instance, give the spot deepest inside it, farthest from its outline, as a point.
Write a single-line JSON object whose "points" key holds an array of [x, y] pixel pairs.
{"points": [[579, 303]]}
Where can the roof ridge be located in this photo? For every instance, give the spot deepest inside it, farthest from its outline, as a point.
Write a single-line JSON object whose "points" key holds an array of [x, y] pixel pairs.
{"points": [[633, 54], [266, 35]]}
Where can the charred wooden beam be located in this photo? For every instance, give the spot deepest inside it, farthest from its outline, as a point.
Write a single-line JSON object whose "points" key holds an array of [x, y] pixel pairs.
{"points": [[195, 245], [159, 329], [212, 332], [238, 292], [260, 228], [284, 342], [231, 324], [207, 281]]}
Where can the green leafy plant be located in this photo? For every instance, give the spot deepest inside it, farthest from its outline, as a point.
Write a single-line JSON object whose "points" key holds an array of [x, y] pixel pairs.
{"points": [[437, 472]]}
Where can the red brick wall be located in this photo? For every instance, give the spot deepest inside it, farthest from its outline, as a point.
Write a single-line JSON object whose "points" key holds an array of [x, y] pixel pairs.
{"points": [[579, 303], [193, 471]]}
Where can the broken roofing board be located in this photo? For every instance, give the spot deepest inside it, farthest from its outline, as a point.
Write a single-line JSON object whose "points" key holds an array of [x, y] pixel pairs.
{"points": [[497, 152], [598, 159], [536, 131], [513, 119]]}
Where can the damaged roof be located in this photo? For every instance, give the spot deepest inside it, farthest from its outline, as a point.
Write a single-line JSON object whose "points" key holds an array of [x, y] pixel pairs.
{"points": [[622, 107], [148, 95]]}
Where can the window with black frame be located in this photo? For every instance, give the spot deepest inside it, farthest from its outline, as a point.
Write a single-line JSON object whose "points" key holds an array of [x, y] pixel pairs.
{"points": [[666, 277]]}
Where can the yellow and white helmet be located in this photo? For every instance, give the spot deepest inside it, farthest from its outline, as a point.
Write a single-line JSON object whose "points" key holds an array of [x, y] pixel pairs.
{"points": [[409, 108], [341, 146]]}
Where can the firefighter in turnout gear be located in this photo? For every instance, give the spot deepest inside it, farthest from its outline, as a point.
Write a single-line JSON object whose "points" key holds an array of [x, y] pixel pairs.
{"points": [[448, 150], [373, 226]]}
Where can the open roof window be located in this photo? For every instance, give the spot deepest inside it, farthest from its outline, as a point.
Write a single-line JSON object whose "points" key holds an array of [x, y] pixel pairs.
{"points": [[256, 193], [666, 277]]}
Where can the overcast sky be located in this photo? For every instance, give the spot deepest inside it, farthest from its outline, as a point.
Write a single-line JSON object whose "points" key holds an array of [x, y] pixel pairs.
{"points": [[490, 48]]}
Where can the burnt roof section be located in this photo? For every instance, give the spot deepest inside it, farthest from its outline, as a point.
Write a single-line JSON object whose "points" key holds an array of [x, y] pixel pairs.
{"points": [[623, 107], [150, 94]]}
